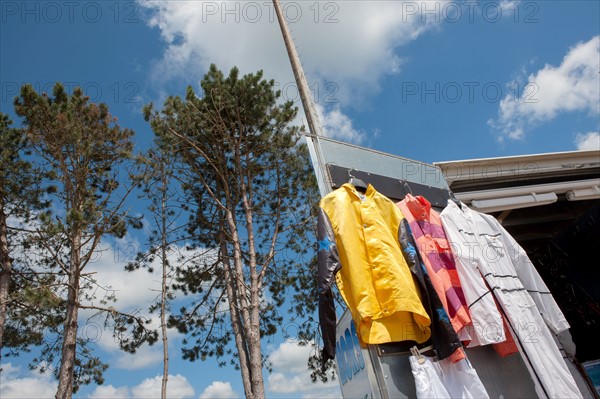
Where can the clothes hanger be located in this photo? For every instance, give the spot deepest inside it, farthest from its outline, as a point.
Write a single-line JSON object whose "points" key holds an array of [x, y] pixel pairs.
{"points": [[453, 198], [358, 184], [417, 353], [406, 187]]}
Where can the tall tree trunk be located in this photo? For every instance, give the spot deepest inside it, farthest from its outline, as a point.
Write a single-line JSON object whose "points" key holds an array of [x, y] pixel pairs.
{"points": [[163, 325], [163, 298], [234, 314], [69, 347], [258, 386], [254, 333], [254, 344], [249, 314], [5, 271]]}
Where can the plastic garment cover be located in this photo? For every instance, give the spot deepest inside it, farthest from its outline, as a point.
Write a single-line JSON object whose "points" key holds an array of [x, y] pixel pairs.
{"points": [[444, 379]]}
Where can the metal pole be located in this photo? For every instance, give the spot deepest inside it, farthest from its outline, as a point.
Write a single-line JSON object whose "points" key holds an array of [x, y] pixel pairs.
{"points": [[312, 118]]}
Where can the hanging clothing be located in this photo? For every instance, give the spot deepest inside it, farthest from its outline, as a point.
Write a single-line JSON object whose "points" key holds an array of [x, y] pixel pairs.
{"points": [[445, 340], [488, 325], [358, 245], [487, 251], [437, 257], [444, 379], [508, 347]]}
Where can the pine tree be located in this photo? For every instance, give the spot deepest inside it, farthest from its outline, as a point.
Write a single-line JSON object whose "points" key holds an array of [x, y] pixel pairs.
{"points": [[250, 192], [20, 198], [161, 191], [89, 158]]}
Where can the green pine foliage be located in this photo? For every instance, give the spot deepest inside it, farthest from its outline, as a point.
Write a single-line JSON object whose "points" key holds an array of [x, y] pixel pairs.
{"points": [[24, 306], [251, 197], [237, 189], [89, 169]]}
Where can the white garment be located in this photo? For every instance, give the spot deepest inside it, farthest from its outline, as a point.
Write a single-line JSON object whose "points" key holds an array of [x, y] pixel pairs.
{"points": [[486, 317], [567, 348], [486, 249], [444, 379]]}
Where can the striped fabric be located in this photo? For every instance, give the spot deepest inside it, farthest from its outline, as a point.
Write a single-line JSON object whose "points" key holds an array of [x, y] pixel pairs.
{"points": [[436, 253]]}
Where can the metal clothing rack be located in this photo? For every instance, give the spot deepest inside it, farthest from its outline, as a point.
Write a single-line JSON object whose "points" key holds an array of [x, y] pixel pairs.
{"points": [[393, 188]]}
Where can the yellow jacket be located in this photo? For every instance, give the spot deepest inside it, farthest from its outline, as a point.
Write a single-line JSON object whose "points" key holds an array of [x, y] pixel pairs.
{"points": [[358, 244]]}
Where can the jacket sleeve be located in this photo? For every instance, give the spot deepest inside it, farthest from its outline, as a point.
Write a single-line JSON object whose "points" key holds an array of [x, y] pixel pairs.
{"points": [[409, 249], [533, 283], [329, 265], [445, 340]]}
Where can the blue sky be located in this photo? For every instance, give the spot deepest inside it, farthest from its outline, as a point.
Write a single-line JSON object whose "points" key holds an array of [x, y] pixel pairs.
{"points": [[431, 81]]}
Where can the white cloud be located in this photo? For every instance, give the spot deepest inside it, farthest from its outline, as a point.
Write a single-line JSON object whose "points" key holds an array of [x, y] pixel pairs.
{"points": [[144, 357], [339, 126], [300, 385], [132, 289], [508, 6], [219, 390], [588, 141], [8, 370], [109, 391], [572, 86], [290, 356], [31, 384], [135, 291], [291, 375], [345, 42], [281, 383], [346, 47], [177, 387]]}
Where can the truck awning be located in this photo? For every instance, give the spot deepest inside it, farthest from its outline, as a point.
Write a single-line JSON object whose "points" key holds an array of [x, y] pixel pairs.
{"points": [[535, 197]]}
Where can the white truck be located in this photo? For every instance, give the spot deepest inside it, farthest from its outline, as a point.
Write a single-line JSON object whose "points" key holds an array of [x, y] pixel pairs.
{"points": [[510, 187]]}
